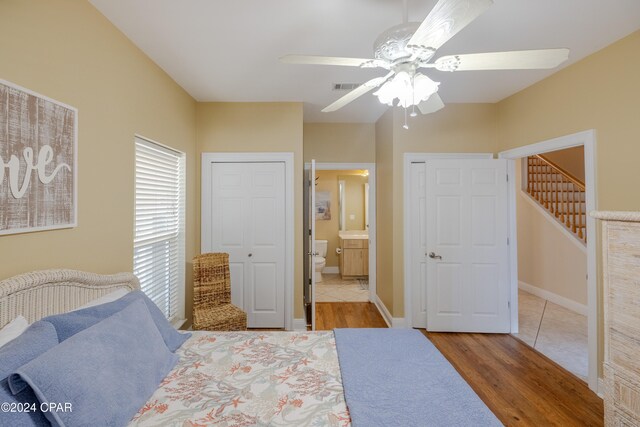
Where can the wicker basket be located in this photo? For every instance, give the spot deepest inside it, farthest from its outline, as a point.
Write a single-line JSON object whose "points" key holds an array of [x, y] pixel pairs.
{"points": [[212, 308]]}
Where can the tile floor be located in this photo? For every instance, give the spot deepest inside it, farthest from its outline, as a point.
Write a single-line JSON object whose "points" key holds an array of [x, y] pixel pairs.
{"points": [[334, 289], [554, 331]]}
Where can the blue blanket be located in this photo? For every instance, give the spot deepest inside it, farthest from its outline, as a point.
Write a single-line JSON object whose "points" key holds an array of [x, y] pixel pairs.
{"points": [[35, 341], [396, 377]]}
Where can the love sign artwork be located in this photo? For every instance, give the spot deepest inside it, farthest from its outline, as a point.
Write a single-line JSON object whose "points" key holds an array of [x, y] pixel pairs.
{"points": [[38, 173]]}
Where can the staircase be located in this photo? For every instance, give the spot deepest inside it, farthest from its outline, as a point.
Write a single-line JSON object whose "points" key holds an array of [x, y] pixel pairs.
{"points": [[560, 193]]}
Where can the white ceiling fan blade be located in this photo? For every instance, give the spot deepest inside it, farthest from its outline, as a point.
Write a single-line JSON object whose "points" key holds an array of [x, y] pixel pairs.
{"points": [[445, 20], [324, 60], [357, 93], [431, 105], [516, 60]]}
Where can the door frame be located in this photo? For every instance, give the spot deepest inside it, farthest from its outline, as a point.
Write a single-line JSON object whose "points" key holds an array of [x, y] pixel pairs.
{"points": [[410, 158], [588, 140], [205, 200], [371, 167]]}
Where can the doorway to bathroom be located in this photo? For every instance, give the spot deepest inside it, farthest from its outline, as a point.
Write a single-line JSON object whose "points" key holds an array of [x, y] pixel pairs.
{"points": [[340, 225]]}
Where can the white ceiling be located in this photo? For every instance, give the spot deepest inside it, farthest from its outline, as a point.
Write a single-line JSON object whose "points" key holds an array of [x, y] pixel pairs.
{"points": [[228, 50]]}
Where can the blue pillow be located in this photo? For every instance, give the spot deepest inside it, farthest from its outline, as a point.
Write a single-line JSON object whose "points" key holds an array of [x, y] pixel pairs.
{"points": [[34, 341], [104, 373], [69, 324]]}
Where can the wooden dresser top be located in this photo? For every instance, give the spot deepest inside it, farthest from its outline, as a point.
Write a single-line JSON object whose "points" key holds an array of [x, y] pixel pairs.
{"points": [[617, 215]]}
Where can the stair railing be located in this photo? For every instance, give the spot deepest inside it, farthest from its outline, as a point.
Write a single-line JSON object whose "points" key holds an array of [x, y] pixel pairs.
{"points": [[559, 192]]}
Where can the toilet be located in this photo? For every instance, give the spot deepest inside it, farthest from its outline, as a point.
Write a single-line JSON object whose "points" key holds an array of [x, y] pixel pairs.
{"points": [[321, 261]]}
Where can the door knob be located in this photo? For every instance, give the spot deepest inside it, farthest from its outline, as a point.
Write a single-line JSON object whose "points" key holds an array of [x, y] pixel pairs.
{"points": [[434, 256], [313, 253]]}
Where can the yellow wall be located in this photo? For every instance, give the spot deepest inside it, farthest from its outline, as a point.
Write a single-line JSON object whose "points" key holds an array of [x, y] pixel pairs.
{"points": [[384, 208], [570, 159], [257, 127], [328, 229], [547, 258], [339, 142], [600, 92], [68, 51]]}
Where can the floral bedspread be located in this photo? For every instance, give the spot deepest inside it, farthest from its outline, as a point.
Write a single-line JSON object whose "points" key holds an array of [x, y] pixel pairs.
{"points": [[251, 378]]}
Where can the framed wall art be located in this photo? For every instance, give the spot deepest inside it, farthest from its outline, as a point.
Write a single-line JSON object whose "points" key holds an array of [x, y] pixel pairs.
{"points": [[38, 162], [323, 205]]}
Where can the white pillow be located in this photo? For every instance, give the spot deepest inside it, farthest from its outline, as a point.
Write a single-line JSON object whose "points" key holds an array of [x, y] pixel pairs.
{"points": [[112, 296], [13, 329]]}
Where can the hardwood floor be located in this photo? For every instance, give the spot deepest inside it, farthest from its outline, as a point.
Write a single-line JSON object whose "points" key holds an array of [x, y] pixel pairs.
{"points": [[330, 315], [521, 386]]}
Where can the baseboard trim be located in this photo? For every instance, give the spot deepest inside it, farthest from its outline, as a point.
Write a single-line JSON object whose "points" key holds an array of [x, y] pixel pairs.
{"points": [[576, 307], [600, 391], [331, 270], [383, 311], [398, 323], [392, 322], [299, 325]]}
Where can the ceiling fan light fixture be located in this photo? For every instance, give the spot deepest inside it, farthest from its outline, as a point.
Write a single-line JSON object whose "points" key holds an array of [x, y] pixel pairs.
{"points": [[391, 45], [410, 46], [408, 90]]}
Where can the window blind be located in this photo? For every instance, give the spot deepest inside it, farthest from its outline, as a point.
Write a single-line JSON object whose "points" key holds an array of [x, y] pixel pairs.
{"points": [[158, 248]]}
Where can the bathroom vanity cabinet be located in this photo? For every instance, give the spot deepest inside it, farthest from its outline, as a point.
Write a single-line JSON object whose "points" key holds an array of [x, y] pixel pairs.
{"points": [[354, 259]]}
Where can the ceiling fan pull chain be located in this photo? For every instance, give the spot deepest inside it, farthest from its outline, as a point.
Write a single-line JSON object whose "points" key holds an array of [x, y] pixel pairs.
{"points": [[413, 94], [406, 125]]}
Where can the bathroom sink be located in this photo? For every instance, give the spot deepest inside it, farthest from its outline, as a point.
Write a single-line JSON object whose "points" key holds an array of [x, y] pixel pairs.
{"points": [[354, 234]]}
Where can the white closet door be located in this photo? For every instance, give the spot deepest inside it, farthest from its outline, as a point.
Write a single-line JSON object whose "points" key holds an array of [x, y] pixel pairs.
{"points": [[466, 246], [248, 222]]}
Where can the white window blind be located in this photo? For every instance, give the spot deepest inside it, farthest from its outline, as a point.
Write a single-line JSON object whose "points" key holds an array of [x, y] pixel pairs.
{"points": [[158, 249]]}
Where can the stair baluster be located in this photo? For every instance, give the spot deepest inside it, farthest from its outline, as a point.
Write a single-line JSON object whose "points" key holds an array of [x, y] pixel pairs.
{"points": [[563, 201], [555, 185], [575, 210], [545, 178], [529, 182], [559, 192], [539, 181], [569, 203]]}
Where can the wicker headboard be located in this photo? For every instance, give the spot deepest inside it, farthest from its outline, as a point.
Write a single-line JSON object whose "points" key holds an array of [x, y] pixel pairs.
{"points": [[43, 293]]}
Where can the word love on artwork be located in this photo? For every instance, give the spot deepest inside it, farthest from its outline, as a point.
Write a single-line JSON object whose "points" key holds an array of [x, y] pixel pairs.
{"points": [[45, 156]]}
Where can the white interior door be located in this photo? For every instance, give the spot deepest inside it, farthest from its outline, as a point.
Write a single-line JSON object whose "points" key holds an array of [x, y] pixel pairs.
{"points": [[366, 206], [418, 218], [466, 245], [312, 241], [247, 221]]}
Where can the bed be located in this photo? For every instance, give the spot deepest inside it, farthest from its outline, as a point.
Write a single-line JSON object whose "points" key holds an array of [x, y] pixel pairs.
{"points": [[340, 378]]}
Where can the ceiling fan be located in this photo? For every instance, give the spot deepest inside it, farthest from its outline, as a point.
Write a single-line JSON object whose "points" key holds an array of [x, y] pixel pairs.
{"points": [[409, 47]]}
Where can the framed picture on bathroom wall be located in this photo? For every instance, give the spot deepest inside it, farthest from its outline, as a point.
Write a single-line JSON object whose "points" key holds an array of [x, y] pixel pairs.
{"points": [[38, 161], [323, 205]]}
